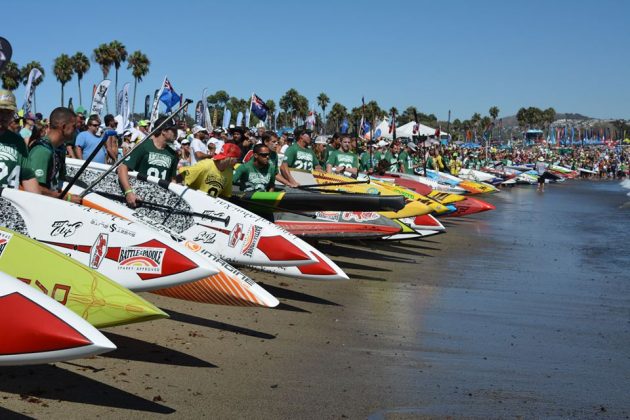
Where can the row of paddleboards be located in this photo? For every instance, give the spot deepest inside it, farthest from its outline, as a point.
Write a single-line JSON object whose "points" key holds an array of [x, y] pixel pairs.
{"points": [[76, 268]]}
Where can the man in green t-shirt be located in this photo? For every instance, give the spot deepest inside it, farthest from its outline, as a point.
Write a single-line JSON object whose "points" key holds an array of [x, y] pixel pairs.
{"points": [[47, 157], [299, 156], [14, 170], [393, 157], [408, 158], [343, 160], [153, 157], [258, 174]]}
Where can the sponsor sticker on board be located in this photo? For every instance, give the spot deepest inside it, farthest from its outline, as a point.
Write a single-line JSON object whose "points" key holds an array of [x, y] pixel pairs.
{"points": [[141, 259], [98, 250], [251, 240], [5, 238]]}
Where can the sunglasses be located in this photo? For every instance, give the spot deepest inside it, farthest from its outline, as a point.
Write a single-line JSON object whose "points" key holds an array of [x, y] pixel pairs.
{"points": [[263, 154], [94, 125]]}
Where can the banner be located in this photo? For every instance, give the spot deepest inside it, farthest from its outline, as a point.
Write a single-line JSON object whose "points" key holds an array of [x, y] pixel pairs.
{"points": [[248, 116], [33, 77], [125, 108], [227, 116], [156, 104], [147, 101], [239, 119], [168, 95], [99, 97], [119, 99], [205, 113], [70, 105], [199, 114], [5, 52]]}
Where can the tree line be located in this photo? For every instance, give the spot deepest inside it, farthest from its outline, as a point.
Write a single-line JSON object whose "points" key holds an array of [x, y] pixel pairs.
{"points": [[66, 66]]}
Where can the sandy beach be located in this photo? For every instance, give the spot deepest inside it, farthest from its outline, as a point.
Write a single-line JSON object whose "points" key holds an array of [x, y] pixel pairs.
{"points": [[522, 311]]}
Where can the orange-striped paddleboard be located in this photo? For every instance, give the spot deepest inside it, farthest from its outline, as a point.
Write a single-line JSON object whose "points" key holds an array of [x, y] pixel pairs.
{"points": [[228, 287]]}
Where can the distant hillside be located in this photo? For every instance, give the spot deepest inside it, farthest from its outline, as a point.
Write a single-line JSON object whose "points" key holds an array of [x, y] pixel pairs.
{"points": [[511, 121]]}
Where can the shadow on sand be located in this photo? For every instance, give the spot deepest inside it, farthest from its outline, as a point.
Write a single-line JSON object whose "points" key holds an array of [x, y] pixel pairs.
{"points": [[217, 325], [282, 293], [54, 383], [142, 351]]}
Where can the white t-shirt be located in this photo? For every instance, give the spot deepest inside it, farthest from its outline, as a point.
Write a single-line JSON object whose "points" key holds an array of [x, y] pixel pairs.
{"points": [[197, 146]]}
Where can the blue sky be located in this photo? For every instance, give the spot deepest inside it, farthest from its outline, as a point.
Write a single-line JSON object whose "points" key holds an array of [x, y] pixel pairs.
{"points": [[465, 56]]}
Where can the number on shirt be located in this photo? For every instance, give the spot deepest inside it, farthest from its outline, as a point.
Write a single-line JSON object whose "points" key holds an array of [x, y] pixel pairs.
{"points": [[155, 172], [12, 179]]}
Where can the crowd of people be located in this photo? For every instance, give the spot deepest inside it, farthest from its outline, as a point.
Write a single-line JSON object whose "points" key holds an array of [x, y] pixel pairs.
{"points": [[33, 150]]}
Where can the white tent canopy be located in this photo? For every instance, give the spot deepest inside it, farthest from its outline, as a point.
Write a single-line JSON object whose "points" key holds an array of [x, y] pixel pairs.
{"points": [[405, 130]]}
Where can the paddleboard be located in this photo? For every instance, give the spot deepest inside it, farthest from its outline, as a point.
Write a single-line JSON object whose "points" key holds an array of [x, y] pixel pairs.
{"points": [[323, 269], [36, 329], [338, 225], [86, 292], [126, 252], [228, 287], [237, 235], [469, 206], [434, 184]]}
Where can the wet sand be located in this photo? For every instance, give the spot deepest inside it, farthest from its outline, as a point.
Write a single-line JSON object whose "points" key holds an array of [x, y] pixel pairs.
{"points": [[523, 311]]}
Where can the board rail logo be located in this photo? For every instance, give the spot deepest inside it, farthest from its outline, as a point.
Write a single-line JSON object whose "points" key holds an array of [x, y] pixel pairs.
{"points": [[98, 250], [141, 259], [237, 234], [251, 240], [5, 237]]}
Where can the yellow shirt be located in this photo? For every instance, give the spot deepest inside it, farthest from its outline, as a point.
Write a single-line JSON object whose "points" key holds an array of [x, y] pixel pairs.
{"points": [[205, 176]]}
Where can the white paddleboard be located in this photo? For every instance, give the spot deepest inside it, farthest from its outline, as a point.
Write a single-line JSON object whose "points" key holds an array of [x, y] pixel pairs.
{"points": [[126, 252]]}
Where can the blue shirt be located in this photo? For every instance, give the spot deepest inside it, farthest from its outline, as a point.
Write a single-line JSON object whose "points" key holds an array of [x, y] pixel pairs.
{"points": [[88, 142]]}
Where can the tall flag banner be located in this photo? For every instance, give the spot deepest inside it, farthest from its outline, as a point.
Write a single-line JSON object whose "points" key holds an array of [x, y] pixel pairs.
{"points": [[156, 103], [259, 107], [99, 97], [147, 101], [125, 106], [248, 116], [416, 126], [33, 77], [227, 116], [70, 105], [168, 96], [392, 126], [119, 99], [205, 113], [275, 120], [310, 120], [5, 52], [199, 114], [365, 128], [239, 119], [344, 126]]}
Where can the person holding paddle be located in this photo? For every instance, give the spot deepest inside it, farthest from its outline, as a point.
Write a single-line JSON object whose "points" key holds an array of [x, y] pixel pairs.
{"points": [[153, 157]]}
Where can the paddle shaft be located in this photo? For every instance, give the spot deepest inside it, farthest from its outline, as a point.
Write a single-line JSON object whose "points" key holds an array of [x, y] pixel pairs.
{"points": [[119, 161], [334, 184], [84, 166]]}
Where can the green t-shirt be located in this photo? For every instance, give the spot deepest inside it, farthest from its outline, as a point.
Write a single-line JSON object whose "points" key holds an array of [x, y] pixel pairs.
{"points": [[300, 158], [340, 158], [394, 165], [48, 164], [408, 162], [13, 160], [364, 161], [149, 160], [250, 178]]}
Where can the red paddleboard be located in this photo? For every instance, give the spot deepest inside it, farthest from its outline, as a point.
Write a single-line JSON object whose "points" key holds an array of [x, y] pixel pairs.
{"points": [[416, 186], [469, 206]]}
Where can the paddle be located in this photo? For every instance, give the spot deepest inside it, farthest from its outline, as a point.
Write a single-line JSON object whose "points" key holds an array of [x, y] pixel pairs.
{"points": [[84, 166], [119, 161], [163, 207], [334, 184], [236, 199]]}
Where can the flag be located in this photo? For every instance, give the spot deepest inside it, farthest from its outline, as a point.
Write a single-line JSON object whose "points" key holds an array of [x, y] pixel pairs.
{"points": [[227, 116], [365, 128], [119, 98], [33, 76], [259, 107], [199, 113], [125, 108], [205, 113], [70, 105], [147, 101], [168, 96], [99, 97], [344, 126], [248, 116], [239, 119], [310, 120], [156, 103]]}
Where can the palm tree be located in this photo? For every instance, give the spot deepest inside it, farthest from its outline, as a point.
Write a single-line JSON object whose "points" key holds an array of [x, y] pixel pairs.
{"points": [[63, 71], [139, 65], [494, 112], [271, 108], [80, 65], [323, 100], [119, 55], [103, 56], [11, 76], [26, 70]]}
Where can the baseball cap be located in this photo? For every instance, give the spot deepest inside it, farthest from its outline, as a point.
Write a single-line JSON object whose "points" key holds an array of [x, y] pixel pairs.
{"points": [[197, 128], [143, 123], [412, 146], [382, 143], [230, 150], [321, 140], [7, 100], [185, 141]]}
